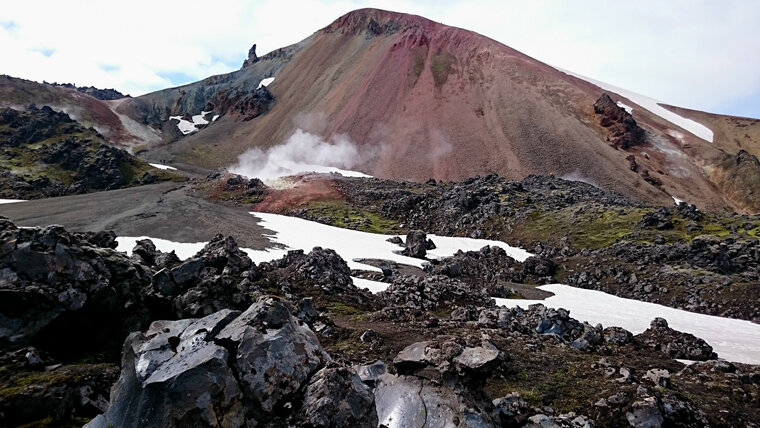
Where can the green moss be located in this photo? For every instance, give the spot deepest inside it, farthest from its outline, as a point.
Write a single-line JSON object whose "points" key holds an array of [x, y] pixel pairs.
{"points": [[340, 308], [341, 214], [441, 66]]}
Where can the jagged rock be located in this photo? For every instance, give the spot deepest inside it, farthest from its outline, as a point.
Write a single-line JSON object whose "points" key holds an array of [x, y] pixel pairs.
{"points": [[555, 321], [336, 397], [659, 219], [645, 414], [417, 244], [617, 335], [231, 369], [623, 130], [53, 284], [675, 343], [409, 401], [252, 57], [512, 410], [539, 266], [412, 295]]}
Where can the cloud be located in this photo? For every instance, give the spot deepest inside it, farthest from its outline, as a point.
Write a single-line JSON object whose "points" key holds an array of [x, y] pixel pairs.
{"points": [[302, 152], [692, 53]]}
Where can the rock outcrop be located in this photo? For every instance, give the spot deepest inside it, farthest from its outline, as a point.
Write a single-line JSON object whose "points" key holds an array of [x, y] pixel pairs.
{"points": [[675, 343], [68, 292], [623, 130], [235, 369]]}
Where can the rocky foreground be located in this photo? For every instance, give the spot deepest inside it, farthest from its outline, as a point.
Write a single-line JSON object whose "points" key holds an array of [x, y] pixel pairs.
{"points": [[89, 335]]}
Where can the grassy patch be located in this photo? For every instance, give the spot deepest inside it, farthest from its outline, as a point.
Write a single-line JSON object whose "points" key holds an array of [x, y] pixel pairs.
{"points": [[342, 215], [441, 66]]}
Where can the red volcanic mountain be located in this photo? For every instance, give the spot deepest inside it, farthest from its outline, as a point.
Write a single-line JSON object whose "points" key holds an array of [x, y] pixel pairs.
{"points": [[428, 100]]}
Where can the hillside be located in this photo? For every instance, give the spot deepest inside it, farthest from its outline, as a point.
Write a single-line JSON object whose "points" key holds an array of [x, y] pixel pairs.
{"points": [[423, 100]]}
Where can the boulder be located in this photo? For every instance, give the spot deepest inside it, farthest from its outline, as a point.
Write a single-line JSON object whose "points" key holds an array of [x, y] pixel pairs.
{"points": [[417, 244], [261, 366]]}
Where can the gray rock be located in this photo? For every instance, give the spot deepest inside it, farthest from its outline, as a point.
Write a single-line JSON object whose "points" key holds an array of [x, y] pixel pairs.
{"points": [[275, 355], [417, 244], [645, 414], [234, 369], [660, 377], [336, 397]]}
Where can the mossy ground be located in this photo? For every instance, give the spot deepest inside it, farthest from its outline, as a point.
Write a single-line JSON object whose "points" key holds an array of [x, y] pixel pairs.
{"points": [[341, 214]]}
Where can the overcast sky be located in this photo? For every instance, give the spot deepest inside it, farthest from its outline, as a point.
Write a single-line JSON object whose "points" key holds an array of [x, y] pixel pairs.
{"points": [[698, 54]]}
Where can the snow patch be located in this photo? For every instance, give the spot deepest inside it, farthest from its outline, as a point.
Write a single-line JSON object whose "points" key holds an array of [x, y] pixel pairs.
{"points": [[11, 201], [185, 126], [216, 116], [732, 339], [627, 108], [653, 106], [265, 82], [164, 167], [200, 119], [295, 233], [676, 200], [373, 286], [184, 250]]}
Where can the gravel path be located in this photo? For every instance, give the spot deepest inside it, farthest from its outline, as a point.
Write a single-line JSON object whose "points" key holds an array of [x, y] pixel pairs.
{"points": [[165, 210]]}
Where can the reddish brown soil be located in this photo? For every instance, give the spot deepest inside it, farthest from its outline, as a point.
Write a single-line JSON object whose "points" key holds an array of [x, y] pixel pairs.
{"points": [[306, 189]]}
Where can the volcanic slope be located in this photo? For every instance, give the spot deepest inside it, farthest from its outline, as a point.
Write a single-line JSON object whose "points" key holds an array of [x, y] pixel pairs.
{"points": [[424, 100]]}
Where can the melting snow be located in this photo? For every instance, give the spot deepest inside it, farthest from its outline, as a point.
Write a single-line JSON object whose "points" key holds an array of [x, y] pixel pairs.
{"points": [[216, 116], [676, 200], [160, 166], [352, 245], [266, 82], [374, 286], [200, 119], [185, 126], [653, 106], [627, 108], [11, 201], [733, 340], [183, 250]]}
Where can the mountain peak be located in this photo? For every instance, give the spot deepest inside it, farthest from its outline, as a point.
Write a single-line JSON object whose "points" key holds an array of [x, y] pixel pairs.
{"points": [[377, 21]]}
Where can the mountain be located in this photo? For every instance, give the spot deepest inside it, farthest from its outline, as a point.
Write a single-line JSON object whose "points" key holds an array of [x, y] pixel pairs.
{"points": [[424, 100]]}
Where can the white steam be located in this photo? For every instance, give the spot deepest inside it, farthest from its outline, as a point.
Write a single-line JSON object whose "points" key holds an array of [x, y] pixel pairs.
{"points": [[302, 152], [578, 176]]}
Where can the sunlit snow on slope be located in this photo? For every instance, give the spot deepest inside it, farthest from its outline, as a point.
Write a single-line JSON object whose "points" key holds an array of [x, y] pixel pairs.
{"points": [[653, 106], [265, 82], [161, 166], [676, 200], [733, 340], [627, 108], [200, 119], [185, 126], [11, 201]]}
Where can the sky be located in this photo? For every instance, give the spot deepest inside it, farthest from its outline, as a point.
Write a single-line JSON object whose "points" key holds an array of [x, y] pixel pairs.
{"points": [[700, 54]]}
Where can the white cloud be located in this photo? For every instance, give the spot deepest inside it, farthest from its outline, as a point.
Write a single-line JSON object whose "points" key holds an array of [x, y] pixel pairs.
{"points": [[694, 53]]}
